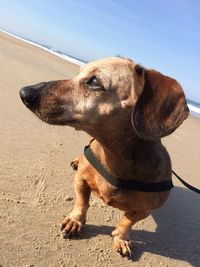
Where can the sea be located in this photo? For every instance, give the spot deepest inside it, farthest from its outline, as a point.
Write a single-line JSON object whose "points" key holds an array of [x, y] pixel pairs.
{"points": [[193, 106]]}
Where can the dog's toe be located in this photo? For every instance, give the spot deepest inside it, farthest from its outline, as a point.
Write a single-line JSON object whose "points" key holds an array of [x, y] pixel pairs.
{"points": [[123, 247], [70, 228], [74, 164]]}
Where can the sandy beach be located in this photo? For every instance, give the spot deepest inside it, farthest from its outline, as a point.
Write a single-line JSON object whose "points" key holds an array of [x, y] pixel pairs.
{"points": [[36, 183]]}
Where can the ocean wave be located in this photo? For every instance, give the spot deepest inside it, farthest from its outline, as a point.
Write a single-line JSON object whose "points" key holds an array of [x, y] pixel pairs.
{"points": [[48, 49], [194, 108]]}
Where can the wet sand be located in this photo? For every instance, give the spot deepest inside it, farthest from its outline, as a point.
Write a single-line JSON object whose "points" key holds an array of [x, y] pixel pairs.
{"points": [[36, 183]]}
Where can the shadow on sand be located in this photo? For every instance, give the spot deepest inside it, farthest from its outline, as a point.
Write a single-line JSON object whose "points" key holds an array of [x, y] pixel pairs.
{"points": [[177, 234]]}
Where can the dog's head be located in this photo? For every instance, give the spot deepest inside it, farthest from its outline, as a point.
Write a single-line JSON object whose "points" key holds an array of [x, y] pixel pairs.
{"points": [[108, 91]]}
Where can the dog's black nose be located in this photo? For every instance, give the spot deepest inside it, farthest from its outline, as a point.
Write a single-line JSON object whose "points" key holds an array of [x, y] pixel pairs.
{"points": [[30, 95]]}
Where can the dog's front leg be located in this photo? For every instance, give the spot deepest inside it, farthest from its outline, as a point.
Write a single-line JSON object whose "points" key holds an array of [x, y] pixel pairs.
{"points": [[122, 243], [76, 219]]}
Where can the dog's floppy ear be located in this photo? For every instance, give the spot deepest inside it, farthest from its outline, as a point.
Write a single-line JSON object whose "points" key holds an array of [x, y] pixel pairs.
{"points": [[161, 107]]}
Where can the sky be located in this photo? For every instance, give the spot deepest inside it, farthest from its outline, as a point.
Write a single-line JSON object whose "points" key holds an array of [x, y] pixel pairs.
{"points": [[159, 34]]}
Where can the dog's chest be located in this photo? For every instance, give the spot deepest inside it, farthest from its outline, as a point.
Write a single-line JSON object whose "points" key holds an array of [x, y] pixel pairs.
{"points": [[110, 194]]}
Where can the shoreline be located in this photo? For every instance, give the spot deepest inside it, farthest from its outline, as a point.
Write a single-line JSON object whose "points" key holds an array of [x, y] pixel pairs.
{"points": [[48, 49]]}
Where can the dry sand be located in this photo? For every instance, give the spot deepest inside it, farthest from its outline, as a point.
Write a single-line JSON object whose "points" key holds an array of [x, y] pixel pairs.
{"points": [[36, 183]]}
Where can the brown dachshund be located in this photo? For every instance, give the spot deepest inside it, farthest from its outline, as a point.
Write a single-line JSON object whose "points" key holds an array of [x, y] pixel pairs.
{"points": [[126, 109]]}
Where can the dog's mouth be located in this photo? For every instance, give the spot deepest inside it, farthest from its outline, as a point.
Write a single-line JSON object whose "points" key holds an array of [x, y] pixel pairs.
{"points": [[59, 121], [56, 117], [54, 114]]}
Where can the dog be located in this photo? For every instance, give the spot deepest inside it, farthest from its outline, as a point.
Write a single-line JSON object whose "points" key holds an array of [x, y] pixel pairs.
{"points": [[126, 109]]}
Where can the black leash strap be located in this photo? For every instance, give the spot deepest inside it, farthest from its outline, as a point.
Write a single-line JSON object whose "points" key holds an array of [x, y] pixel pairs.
{"points": [[132, 184], [186, 184], [126, 184]]}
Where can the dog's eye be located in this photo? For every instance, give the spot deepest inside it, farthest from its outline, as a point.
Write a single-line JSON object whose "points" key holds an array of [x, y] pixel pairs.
{"points": [[94, 83]]}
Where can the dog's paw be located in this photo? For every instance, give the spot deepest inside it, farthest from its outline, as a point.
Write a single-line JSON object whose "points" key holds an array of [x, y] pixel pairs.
{"points": [[74, 164], [71, 228], [123, 247]]}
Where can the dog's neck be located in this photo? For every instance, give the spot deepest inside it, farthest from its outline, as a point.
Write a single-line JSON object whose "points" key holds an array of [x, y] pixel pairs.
{"points": [[118, 146], [120, 139]]}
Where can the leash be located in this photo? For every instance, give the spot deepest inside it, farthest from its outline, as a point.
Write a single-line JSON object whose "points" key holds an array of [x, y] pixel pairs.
{"points": [[125, 184], [189, 186], [132, 184]]}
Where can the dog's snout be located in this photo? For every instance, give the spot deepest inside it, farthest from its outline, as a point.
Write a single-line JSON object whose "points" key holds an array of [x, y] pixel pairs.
{"points": [[30, 95]]}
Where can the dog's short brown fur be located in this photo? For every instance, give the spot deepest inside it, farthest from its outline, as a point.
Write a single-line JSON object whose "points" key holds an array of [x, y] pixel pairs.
{"points": [[126, 109]]}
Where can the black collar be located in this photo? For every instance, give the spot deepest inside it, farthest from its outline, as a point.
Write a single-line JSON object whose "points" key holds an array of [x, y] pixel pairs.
{"points": [[125, 184]]}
